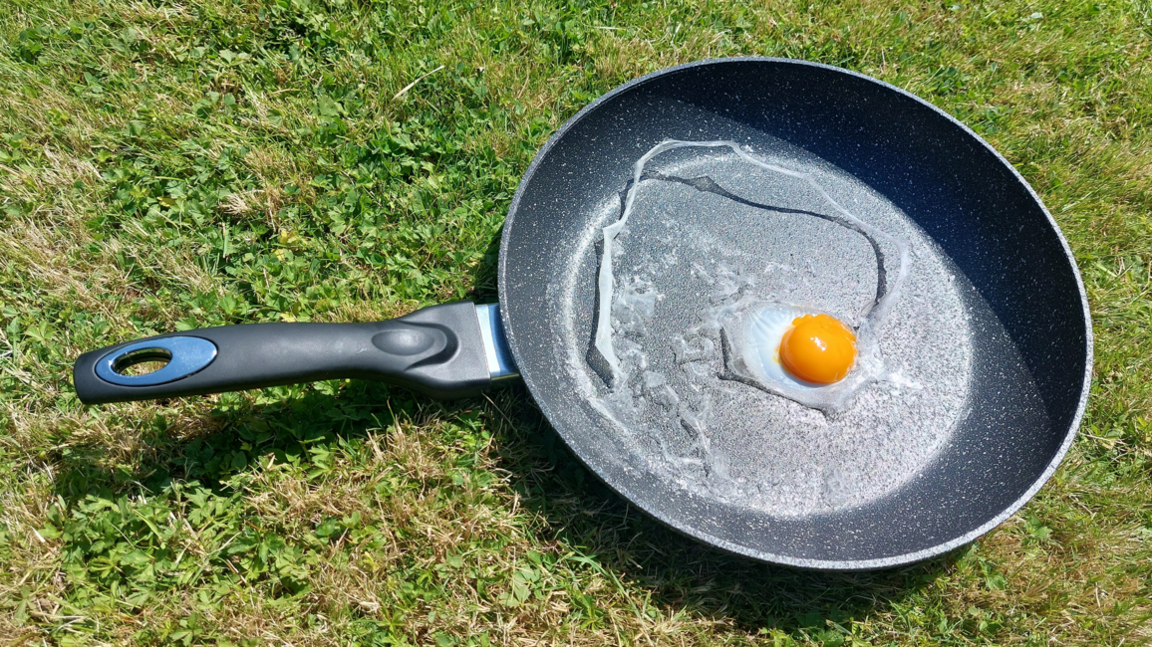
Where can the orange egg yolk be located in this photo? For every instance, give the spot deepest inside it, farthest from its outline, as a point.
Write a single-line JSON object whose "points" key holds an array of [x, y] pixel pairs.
{"points": [[818, 349]]}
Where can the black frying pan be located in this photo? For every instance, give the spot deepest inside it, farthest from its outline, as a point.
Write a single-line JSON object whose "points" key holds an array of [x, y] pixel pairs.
{"points": [[991, 336]]}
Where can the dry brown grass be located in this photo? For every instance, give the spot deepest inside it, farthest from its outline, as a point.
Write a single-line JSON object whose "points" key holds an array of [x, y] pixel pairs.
{"points": [[32, 574]]}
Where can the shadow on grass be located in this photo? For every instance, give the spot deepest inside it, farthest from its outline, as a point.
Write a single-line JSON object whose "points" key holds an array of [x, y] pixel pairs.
{"points": [[302, 423]]}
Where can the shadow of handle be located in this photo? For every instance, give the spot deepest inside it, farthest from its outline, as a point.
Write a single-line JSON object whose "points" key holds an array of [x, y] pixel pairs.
{"points": [[438, 351]]}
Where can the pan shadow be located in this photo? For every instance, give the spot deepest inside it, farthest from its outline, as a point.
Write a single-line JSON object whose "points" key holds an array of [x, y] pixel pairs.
{"points": [[485, 284], [682, 573]]}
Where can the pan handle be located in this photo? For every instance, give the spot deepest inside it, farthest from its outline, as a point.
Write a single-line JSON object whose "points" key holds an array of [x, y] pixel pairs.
{"points": [[445, 351]]}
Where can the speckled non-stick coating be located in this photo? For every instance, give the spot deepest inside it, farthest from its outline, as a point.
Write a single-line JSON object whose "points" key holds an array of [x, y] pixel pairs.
{"points": [[1025, 298]]}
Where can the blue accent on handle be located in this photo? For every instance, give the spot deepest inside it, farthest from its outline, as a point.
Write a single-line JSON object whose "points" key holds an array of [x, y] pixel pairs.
{"points": [[189, 355]]}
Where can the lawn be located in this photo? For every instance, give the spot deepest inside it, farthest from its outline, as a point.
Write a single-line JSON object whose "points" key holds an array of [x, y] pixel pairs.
{"points": [[168, 165]]}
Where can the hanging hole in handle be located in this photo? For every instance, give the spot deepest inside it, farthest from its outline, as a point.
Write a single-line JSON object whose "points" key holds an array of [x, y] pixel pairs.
{"points": [[170, 358], [142, 361]]}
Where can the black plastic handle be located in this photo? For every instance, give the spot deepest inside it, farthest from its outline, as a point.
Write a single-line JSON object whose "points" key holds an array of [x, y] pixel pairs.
{"points": [[437, 351]]}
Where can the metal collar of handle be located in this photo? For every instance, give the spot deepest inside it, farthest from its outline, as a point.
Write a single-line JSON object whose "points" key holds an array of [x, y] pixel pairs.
{"points": [[500, 363]]}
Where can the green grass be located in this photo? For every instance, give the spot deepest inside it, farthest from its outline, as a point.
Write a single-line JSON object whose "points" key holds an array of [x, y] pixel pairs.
{"points": [[169, 165]]}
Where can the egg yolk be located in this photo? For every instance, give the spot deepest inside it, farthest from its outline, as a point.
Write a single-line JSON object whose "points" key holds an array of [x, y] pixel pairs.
{"points": [[818, 349]]}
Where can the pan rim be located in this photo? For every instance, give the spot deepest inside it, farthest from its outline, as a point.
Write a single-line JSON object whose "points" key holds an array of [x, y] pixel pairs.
{"points": [[760, 555]]}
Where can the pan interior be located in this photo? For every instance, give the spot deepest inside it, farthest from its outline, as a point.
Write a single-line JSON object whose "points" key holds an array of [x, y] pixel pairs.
{"points": [[709, 234], [989, 337]]}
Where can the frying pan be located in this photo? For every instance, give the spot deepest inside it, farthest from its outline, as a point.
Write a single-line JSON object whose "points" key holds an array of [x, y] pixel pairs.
{"points": [[774, 481]]}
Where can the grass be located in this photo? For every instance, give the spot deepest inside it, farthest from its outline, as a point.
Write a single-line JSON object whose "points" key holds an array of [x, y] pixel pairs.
{"points": [[168, 165]]}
